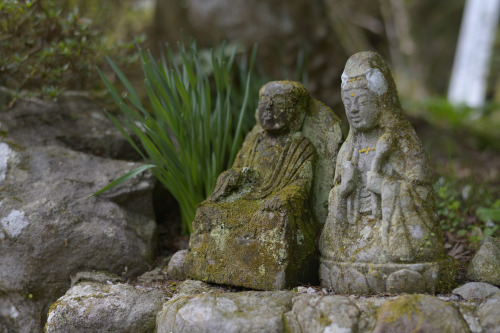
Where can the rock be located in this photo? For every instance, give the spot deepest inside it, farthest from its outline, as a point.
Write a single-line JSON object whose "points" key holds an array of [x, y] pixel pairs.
{"points": [[176, 265], [475, 290], [485, 265], [97, 307], [195, 287], [20, 313], [226, 312], [152, 276], [73, 122], [368, 308], [382, 234], [322, 314], [489, 314], [50, 230], [419, 313], [101, 277]]}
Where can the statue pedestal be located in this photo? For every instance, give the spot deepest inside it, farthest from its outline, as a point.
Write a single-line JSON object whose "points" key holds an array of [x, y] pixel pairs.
{"points": [[390, 278]]}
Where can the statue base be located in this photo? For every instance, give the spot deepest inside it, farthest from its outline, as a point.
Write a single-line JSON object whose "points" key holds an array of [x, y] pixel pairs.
{"points": [[388, 278]]}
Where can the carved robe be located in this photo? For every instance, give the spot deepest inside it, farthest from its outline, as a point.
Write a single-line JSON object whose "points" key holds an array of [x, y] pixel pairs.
{"points": [[401, 226], [258, 217]]}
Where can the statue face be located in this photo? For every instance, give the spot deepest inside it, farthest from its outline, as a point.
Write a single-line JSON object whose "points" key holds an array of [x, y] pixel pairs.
{"points": [[273, 111], [362, 108]]}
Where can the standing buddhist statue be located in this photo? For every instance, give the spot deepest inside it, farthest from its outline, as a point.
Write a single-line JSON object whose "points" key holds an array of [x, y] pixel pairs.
{"points": [[382, 234]]}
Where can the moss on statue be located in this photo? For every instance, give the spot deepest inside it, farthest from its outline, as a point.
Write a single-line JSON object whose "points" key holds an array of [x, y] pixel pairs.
{"points": [[257, 228], [382, 233]]}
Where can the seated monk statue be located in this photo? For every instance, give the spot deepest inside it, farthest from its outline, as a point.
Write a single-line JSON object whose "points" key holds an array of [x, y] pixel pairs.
{"points": [[256, 229], [382, 234]]}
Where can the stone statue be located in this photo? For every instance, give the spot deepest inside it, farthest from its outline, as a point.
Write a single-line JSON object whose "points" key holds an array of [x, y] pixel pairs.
{"points": [[382, 233], [257, 228]]}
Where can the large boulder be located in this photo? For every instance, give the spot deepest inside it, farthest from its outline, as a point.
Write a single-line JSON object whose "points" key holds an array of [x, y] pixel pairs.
{"points": [[73, 122], [50, 229]]}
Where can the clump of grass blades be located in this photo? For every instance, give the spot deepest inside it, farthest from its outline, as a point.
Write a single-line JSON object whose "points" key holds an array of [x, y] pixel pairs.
{"points": [[193, 130]]}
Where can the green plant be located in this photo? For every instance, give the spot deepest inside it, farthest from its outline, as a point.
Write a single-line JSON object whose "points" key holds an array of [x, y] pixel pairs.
{"points": [[448, 207], [46, 50], [193, 130], [467, 211]]}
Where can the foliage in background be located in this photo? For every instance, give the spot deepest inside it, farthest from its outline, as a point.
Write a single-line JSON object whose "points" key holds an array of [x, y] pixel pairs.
{"points": [[46, 50], [467, 210], [195, 125], [481, 124]]}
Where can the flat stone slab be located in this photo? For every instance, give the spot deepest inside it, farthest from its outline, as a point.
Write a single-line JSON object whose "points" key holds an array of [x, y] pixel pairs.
{"points": [[368, 278]]}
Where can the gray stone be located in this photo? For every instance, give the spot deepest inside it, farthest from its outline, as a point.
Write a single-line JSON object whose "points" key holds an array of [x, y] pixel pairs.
{"points": [[311, 313], [152, 276], [382, 234], [101, 277], [50, 230], [20, 313], [225, 312], [258, 228], [97, 307], [489, 314], [176, 265], [73, 122], [476, 290], [195, 287], [419, 313], [485, 265], [368, 308]]}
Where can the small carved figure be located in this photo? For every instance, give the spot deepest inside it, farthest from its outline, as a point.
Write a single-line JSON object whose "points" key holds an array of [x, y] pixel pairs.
{"points": [[381, 234], [257, 228]]}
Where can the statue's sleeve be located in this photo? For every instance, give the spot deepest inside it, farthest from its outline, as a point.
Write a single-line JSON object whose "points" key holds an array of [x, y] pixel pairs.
{"points": [[408, 212]]}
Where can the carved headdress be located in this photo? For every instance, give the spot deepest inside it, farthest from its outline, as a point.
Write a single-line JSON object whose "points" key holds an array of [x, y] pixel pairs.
{"points": [[367, 70]]}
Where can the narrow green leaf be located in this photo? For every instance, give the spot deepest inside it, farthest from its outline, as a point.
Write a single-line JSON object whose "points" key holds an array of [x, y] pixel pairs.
{"points": [[124, 178]]}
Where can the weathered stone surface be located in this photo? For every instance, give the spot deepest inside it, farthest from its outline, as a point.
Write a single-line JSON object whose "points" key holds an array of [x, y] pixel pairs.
{"points": [[485, 265], [73, 122], [382, 233], [257, 228], [476, 290], [226, 312], [489, 314], [368, 308], [154, 275], [394, 278], [97, 307], [313, 313], [195, 287], [176, 265], [419, 313], [49, 229]]}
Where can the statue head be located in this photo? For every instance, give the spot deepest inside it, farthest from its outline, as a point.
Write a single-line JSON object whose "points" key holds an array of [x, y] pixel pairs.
{"points": [[282, 106], [368, 92]]}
